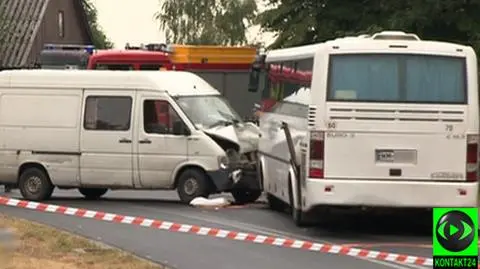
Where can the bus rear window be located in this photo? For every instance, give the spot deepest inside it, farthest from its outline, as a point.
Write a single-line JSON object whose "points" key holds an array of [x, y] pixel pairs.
{"points": [[397, 78]]}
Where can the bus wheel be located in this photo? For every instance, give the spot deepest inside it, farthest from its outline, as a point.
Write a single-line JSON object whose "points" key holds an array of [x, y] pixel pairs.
{"points": [[245, 196], [92, 193], [298, 216], [193, 183], [274, 203]]}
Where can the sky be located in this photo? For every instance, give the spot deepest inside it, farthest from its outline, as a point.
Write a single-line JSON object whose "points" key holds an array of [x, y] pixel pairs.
{"points": [[128, 21]]}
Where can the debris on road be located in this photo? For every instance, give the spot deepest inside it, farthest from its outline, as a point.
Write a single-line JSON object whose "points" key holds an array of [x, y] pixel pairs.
{"points": [[39, 246], [210, 203]]}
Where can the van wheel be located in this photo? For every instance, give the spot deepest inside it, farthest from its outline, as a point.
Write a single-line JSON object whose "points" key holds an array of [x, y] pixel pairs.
{"points": [[92, 193], [245, 196], [299, 217], [35, 185], [192, 183]]}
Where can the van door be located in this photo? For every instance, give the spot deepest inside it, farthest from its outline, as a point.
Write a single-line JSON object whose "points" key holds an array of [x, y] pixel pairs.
{"points": [[106, 139], [161, 146]]}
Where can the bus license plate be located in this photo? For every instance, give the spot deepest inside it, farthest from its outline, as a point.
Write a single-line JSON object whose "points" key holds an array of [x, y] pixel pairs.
{"points": [[396, 156], [384, 156]]}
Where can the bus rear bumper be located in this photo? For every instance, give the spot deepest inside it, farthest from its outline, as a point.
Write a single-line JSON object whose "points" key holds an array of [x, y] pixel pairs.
{"points": [[401, 194]]}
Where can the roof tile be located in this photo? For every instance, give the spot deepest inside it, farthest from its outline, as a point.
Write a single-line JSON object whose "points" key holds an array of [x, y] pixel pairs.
{"points": [[21, 20]]}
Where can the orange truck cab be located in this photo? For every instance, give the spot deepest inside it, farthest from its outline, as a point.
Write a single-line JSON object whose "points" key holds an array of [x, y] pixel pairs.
{"points": [[225, 68]]}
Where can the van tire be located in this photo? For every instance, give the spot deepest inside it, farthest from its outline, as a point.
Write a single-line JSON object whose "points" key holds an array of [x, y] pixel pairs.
{"points": [[35, 185], [92, 193], [193, 183], [245, 196]]}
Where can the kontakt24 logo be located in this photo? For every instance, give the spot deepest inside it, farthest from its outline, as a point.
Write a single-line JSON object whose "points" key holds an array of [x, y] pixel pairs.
{"points": [[455, 238]]}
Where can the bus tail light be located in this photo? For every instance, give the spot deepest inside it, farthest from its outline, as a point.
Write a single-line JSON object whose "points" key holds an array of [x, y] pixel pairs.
{"points": [[472, 158], [317, 150]]}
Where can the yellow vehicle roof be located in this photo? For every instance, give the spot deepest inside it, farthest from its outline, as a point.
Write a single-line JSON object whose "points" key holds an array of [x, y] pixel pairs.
{"points": [[212, 54]]}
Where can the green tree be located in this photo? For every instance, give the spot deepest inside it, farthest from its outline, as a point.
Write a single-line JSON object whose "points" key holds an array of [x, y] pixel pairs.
{"points": [[208, 22], [309, 21], [100, 39]]}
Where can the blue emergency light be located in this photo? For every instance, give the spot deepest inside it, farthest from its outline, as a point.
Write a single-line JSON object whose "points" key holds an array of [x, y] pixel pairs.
{"points": [[90, 48], [87, 48]]}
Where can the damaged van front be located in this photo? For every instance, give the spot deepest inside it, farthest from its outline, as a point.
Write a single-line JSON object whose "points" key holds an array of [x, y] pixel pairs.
{"points": [[238, 141]]}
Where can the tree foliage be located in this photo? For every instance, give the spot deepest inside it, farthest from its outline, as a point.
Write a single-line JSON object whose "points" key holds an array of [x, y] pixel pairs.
{"points": [[208, 22], [299, 22], [100, 39]]}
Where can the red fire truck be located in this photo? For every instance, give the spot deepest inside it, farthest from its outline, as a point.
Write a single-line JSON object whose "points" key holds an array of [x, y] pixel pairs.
{"points": [[225, 68]]}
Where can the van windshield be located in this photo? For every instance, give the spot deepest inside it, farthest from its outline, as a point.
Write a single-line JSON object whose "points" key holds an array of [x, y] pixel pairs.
{"points": [[397, 78], [208, 111]]}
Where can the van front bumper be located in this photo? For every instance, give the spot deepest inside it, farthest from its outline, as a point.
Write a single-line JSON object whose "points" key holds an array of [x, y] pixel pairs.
{"points": [[227, 179], [401, 194]]}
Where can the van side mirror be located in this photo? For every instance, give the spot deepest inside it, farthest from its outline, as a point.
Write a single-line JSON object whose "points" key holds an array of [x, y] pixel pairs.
{"points": [[254, 80]]}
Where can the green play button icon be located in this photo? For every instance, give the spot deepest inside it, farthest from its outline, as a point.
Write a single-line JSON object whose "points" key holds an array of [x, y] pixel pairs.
{"points": [[452, 229], [455, 231]]}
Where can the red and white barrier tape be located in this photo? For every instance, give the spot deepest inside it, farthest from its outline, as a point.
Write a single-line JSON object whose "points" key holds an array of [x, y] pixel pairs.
{"points": [[219, 233]]}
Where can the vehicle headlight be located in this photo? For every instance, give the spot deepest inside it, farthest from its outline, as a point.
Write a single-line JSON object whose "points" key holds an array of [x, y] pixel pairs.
{"points": [[223, 162]]}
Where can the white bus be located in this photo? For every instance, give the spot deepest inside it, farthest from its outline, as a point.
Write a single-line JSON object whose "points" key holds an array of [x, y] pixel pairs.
{"points": [[391, 121]]}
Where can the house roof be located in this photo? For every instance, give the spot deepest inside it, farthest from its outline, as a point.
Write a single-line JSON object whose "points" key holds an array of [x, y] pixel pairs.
{"points": [[20, 23], [82, 14]]}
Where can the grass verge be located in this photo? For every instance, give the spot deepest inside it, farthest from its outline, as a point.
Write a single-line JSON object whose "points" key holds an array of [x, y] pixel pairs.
{"points": [[39, 246]]}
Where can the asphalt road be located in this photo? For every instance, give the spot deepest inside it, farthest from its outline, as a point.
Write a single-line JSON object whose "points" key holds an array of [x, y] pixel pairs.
{"points": [[401, 234]]}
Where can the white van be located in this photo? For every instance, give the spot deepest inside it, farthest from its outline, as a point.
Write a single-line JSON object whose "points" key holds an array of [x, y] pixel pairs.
{"points": [[100, 130], [390, 121]]}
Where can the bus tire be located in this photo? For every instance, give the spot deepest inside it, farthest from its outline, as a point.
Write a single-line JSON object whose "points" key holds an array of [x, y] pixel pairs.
{"points": [[260, 177], [274, 203], [92, 193], [298, 216], [193, 183], [35, 185]]}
